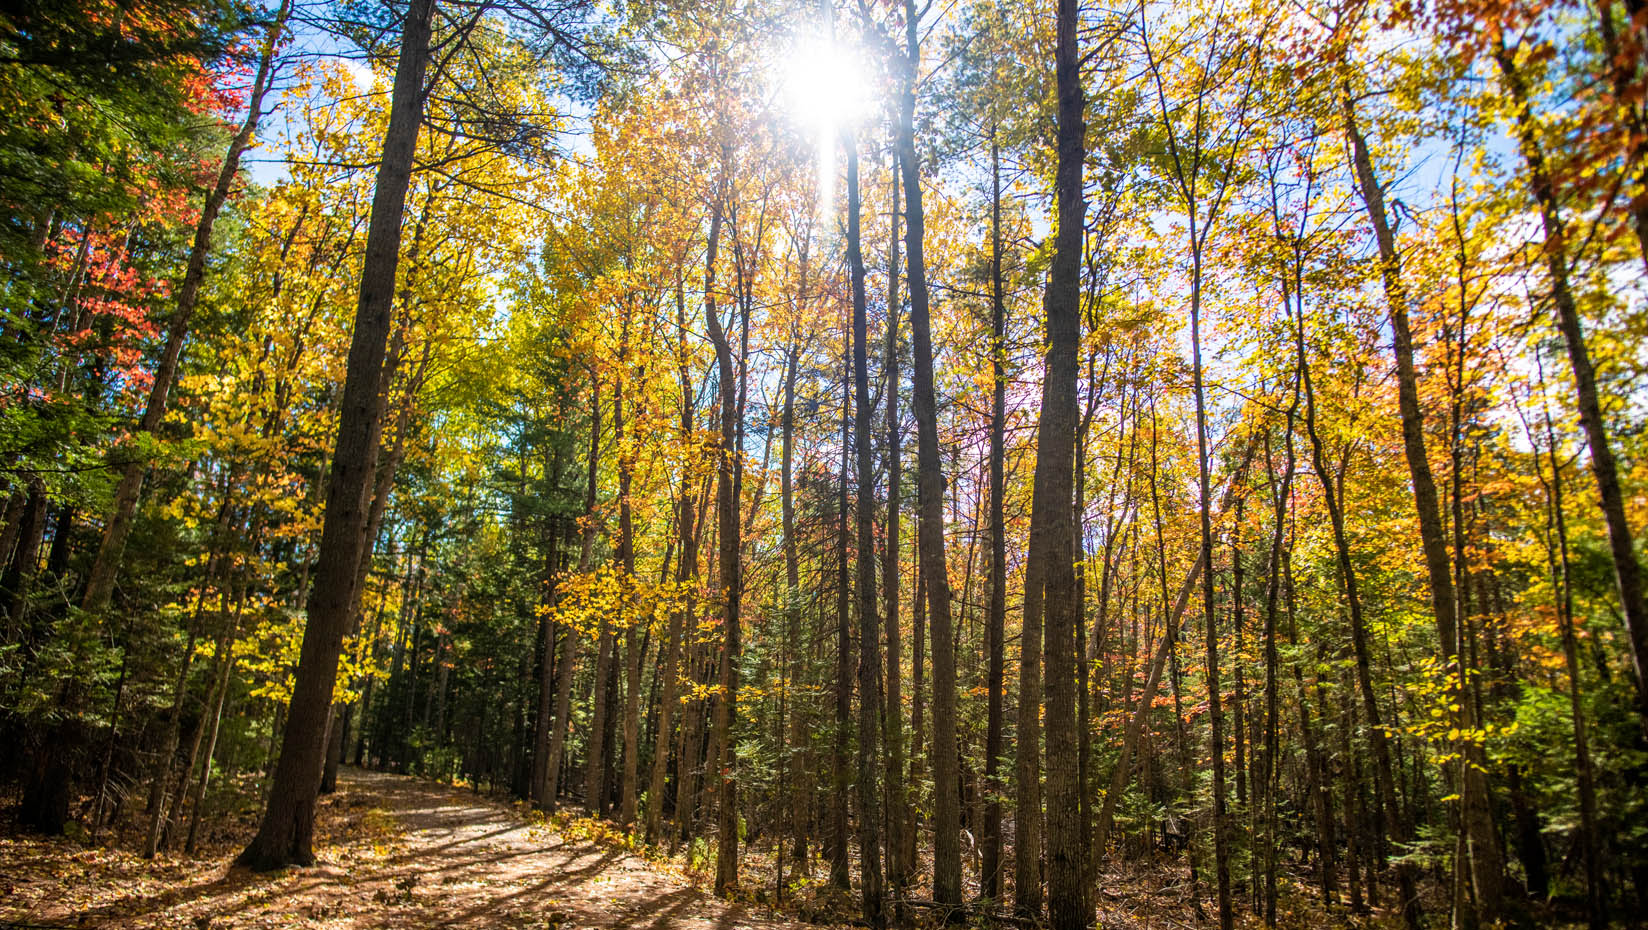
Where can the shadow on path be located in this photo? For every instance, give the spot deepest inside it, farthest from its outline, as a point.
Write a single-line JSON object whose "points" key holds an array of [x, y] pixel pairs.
{"points": [[457, 861]]}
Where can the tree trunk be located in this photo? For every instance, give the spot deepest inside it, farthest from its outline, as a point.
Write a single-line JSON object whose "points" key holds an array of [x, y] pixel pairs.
{"points": [[609, 740], [383, 484], [800, 797], [1221, 857], [634, 648], [1315, 762], [549, 671], [839, 795], [221, 697], [225, 643], [1395, 824], [568, 663], [1067, 905], [729, 568], [918, 666], [1595, 901], [633, 645], [930, 484], [174, 722], [168, 753], [1604, 467], [996, 625], [1485, 865], [595, 767], [1027, 822], [1265, 788], [898, 865], [18, 582], [869, 625], [685, 572], [11, 530], [285, 836]]}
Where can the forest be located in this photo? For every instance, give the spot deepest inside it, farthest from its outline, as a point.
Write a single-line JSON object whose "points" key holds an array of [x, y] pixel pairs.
{"points": [[896, 462]]}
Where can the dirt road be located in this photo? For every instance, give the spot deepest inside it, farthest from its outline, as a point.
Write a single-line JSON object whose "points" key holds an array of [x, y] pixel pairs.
{"points": [[395, 852]]}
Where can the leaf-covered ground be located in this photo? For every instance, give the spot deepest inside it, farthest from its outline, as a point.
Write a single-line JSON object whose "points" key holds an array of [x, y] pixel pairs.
{"points": [[394, 852], [402, 852]]}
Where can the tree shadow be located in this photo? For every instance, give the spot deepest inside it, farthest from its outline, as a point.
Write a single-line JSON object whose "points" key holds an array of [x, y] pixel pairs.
{"points": [[458, 864]]}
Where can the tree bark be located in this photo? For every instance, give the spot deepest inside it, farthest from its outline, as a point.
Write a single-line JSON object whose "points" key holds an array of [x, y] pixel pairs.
{"points": [[930, 483], [595, 767], [918, 703], [730, 570], [800, 797], [168, 753], [1604, 466], [898, 865], [382, 484], [1221, 842], [871, 878], [841, 787], [568, 663], [285, 836], [549, 671], [1292, 286], [1067, 905], [685, 572], [1381, 740], [996, 624], [198, 796], [633, 644], [1485, 863], [18, 581], [1596, 909]]}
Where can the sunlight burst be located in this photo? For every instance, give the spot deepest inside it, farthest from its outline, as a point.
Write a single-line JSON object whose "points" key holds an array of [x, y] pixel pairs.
{"points": [[826, 89], [825, 84]]}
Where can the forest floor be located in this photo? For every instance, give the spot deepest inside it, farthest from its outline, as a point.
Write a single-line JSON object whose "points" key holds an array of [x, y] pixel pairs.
{"points": [[403, 852], [393, 851]]}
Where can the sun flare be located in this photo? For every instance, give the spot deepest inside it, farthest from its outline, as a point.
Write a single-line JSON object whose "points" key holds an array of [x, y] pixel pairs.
{"points": [[825, 84], [826, 89]]}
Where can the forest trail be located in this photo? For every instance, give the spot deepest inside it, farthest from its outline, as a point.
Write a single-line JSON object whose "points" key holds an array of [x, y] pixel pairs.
{"points": [[394, 851]]}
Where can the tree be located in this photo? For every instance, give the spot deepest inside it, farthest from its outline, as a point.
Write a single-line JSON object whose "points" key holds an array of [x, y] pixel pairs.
{"points": [[1604, 466], [869, 653], [1067, 903], [1485, 863], [729, 562], [288, 821], [1201, 175], [930, 484]]}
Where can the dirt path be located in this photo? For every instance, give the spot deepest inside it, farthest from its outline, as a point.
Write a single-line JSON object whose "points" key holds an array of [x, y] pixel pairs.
{"points": [[395, 852]]}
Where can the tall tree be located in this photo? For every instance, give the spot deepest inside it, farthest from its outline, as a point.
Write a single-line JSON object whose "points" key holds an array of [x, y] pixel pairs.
{"points": [[686, 570], [286, 834], [869, 632], [1558, 254], [1067, 904], [729, 569], [996, 625], [1486, 866], [930, 486], [898, 863]]}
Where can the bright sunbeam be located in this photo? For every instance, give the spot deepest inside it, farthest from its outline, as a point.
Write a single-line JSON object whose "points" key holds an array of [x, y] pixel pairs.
{"points": [[825, 84], [826, 89]]}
